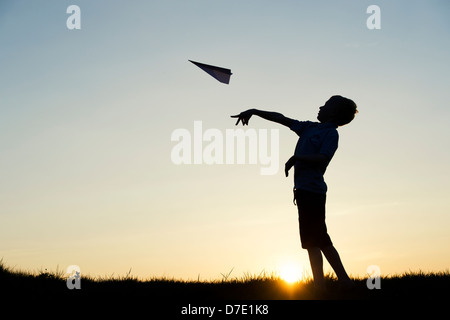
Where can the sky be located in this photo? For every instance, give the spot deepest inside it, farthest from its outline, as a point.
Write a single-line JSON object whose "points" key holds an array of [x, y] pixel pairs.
{"points": [[87, 117]]}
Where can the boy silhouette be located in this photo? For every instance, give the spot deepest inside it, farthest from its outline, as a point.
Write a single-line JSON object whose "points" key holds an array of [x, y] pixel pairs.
{"points": [[317, 143]]}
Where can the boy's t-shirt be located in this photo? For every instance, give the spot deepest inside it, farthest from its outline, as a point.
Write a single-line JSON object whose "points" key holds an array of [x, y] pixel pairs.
{"points": [[315, 138]]}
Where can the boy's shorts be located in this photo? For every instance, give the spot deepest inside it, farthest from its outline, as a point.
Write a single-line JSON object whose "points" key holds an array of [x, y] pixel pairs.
{"points": [[311, 218]]}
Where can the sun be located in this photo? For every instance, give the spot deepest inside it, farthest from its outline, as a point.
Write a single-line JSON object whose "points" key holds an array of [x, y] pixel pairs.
{"points": [[290, 272]]}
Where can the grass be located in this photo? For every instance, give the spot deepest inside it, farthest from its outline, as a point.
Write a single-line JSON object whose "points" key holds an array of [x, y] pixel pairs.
{"points": [[409, 285]]}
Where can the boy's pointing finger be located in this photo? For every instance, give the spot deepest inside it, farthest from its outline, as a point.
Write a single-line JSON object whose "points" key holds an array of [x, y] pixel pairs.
{"points": [[239, 119]]}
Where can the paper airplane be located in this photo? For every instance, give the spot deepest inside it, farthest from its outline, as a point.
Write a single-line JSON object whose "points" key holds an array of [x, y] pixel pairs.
{"points": [[220, 74]]}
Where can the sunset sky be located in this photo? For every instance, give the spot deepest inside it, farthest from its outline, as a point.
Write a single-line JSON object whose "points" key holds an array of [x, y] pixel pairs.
{"points": [[87, 116]]}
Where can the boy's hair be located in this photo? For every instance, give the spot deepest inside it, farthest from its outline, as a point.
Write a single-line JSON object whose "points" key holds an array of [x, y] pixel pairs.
{"points": [[346, 110]]}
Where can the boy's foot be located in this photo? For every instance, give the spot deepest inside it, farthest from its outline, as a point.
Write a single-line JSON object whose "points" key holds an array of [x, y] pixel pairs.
{"points": [[347, 285], [320, 292]]}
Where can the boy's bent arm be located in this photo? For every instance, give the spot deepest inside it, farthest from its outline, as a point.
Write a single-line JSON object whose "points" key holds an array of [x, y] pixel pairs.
{"points": [[268, 115]]}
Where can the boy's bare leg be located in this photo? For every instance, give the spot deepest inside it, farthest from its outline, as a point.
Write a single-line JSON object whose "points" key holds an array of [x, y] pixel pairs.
{"points": [[315, 258], [333, 258]]}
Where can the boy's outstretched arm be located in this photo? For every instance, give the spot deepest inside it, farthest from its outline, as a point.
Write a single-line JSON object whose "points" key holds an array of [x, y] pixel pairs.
{"points": [[268, 115]]}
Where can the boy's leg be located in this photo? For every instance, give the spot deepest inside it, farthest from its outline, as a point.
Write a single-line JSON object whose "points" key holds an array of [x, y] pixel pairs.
{"points": [[315, 258], [333, 258]]}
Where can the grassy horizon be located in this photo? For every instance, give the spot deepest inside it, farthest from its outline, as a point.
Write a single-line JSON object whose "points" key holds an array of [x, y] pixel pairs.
{"points": [[263, 286]]}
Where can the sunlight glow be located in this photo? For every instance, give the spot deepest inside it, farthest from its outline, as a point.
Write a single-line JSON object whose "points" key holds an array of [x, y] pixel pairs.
{"points": [[290, 272]]}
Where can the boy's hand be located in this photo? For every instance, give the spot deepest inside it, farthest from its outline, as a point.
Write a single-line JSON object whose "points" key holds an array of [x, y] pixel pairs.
{"points": [[289, 165], [244, 117]]}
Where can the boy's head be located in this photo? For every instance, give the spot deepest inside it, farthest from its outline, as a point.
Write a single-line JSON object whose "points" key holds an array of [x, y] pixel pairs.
{"points": [[338, 110]]}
